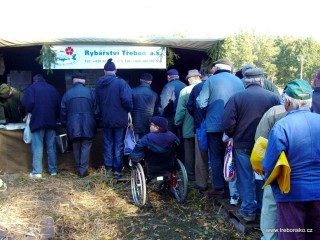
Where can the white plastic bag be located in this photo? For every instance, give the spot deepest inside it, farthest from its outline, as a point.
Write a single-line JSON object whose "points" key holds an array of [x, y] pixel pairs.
{"points": [[228, 166], [27, 135]]}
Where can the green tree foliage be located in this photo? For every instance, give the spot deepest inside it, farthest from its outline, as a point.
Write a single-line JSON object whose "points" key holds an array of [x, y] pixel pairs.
{"points": [[171, 57], [214, 53], [282, 58], [47, 57]]}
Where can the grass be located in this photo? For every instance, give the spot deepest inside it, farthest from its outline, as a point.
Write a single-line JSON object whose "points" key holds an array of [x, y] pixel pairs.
{"points": [[98, 207]]}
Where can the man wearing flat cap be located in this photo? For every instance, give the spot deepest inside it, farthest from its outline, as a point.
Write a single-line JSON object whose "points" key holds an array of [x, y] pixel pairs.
{"points": [[240, 119], [79, 112], [145, 105], [169, 97], [168, 104], [11, 103], [215, 93], [297, 135], [185, 120], [267, 84]]}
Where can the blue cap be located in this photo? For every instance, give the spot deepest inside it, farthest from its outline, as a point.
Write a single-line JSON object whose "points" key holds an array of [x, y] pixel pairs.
{"points": [[172, 72]]}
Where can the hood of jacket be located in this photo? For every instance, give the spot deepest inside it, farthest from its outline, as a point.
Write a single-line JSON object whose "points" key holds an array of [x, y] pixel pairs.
{"points": [[106, 79]]}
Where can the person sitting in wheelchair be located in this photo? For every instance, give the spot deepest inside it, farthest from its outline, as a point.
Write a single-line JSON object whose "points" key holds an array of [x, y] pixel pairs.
{"points": [[156, 148]]}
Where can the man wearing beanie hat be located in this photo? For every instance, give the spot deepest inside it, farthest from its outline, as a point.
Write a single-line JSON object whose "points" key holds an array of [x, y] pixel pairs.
{"points": [[44, 116], [297, 135], [185, 120], [215, 93], [110, 66], [157, 142], [114, 98], [240, 118], [145, 105], [79, 112], [316, 94], [11, 104]]}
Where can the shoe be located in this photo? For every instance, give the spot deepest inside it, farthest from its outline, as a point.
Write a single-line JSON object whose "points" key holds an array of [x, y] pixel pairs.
{"points": [[85, 174], [117, 175], [217, 193], [249, 217], [53, 174], [234, 200], [35, 175], [200, 188]]}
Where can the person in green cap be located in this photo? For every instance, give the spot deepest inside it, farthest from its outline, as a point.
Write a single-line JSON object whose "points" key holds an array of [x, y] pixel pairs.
{"points": [[297, 134], [10, 103]]}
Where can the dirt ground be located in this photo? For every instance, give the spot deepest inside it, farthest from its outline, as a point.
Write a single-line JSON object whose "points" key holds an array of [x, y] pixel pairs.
{"points": [[98, 207]]}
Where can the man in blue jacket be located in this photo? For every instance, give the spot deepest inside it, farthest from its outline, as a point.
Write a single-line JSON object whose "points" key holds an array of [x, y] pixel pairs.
{"points": [[79, 112], [42, 100], [114, 98], [297, 135], [214, 94]]}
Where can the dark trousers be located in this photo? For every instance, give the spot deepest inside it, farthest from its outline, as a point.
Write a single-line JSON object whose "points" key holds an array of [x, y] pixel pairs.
{"points": [[81, 153], [298, 220], [189, 157], [216, 157]]}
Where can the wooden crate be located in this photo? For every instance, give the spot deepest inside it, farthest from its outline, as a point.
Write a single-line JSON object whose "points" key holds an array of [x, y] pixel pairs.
{"points": [[229, 211]]}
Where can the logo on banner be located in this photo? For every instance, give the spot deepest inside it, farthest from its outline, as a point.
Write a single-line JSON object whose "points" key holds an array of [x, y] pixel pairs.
{"points": [[66, 56]]}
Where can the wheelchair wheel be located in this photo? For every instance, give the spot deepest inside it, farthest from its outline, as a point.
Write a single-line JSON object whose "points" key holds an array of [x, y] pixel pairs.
{"points": [[179, 182], [138, 185]]}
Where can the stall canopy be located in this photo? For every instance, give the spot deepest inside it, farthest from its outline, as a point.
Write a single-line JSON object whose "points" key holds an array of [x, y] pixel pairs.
{"points": [[183, 43]]}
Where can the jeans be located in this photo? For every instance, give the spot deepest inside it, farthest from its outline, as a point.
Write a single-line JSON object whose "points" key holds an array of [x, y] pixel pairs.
{"points": [[81, 153], [216, 157], [269, 219], [113, 148], [245, 180], [38, 137]]}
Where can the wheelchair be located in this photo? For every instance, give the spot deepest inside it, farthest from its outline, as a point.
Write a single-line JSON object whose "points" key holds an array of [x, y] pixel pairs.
{"points": [[163, 167]]}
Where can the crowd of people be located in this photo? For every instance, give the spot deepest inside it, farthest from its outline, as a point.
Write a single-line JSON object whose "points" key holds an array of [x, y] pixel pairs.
{"points": [[242, 106]]}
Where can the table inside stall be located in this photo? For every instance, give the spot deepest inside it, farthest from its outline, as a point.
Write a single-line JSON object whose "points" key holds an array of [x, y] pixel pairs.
{"points": [[16, 156]]}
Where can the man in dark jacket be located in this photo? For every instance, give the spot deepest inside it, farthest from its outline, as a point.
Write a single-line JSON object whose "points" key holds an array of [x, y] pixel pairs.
{"points": [[114, 98], [79, 112], [42, 100], [240, 119], [145, 105]]}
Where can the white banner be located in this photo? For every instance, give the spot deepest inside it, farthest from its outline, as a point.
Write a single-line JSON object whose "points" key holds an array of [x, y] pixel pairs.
{"points": [[95, 56]]}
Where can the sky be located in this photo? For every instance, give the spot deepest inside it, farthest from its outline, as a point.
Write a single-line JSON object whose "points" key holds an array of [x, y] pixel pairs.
{"points": [[133, 19]]}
